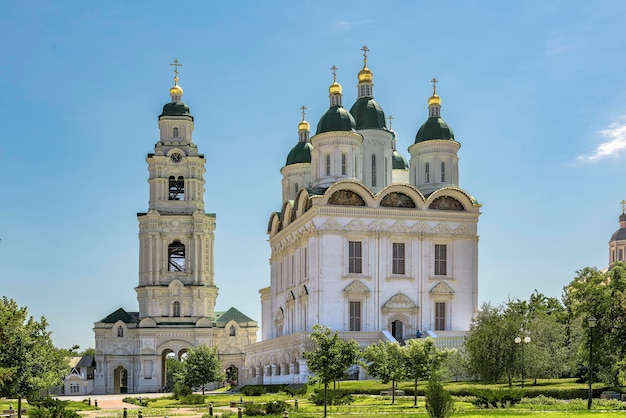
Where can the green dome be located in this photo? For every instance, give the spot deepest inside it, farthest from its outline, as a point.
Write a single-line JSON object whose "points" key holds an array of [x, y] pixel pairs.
{"points": [[176, 109], [398, 162], [434, 128], [368, 114], [336, 119], [300, 153]]}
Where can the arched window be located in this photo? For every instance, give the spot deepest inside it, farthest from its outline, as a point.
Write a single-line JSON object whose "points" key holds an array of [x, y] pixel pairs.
{"points": [[328, 164], [176, 256], [176, 309], [233, 331], [427, 173], [296, 188], [373, 170], [343, 164], [120, 331], [176, 188], [443, 172], [175, 133]]}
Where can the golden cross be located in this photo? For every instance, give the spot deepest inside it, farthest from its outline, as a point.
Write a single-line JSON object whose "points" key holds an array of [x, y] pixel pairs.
{"points": [[303, 109], [623, 202], [175, 64], [364, 49], [434, 81], [334, 68], [390, 119]]}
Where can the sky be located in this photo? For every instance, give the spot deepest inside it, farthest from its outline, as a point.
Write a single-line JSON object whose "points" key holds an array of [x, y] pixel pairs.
{"points": [[535, 92]]}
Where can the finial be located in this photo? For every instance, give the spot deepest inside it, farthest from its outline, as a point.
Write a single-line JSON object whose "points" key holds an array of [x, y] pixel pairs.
{"points": [[364, 49], [434, 81], [334, 68], [623, 202], [176, 64], [303, 108], [390, 119]]}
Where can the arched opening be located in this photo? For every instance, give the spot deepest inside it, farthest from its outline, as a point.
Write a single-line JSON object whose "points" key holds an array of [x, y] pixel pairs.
{"points": [[232, 375], [176, 188], [176, 309], [120, 380], [120, 331], [397, 330], [169, 366], [175, 132], [176, 256]]}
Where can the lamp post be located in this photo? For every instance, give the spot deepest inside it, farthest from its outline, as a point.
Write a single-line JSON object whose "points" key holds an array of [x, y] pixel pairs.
{"points": [[526, 340], [592, 324]]}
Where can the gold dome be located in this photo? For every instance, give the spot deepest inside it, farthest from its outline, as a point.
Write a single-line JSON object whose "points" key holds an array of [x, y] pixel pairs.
{"points": [[335, 88], [434, 100], [365, 75], [176, 90], [304, 126]]}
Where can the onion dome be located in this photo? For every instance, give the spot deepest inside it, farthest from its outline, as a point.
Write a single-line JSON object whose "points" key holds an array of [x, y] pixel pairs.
{"points": [[365, 75], [301, 152], [397, 160], [620, 234], [336, 118], [176, 107], [434, 127], [368, 114]]}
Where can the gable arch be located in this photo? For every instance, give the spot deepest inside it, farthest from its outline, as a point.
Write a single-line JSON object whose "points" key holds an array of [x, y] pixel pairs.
{"points": [[352, 190], [274, 225], [467, 201], [392, 196], [301, 202], [287, 213]]}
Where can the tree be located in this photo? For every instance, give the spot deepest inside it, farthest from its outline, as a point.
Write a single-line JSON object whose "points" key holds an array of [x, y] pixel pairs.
{"points": [[439, 402], [385, 361], [331, 357], [201, 366], [29, 362], [420, 360]]}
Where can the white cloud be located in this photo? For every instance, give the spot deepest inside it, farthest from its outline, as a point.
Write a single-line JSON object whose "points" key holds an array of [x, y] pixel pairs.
{"points": [[616, 143]]}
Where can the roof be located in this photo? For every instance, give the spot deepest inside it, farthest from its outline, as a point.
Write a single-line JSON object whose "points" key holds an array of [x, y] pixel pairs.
{"points": [[121, 315], [434, 128], [368, 114], [176, 109], [398, 162], [336, 119], [222, 318], [619, 235], [86, 361], [300, 153]]}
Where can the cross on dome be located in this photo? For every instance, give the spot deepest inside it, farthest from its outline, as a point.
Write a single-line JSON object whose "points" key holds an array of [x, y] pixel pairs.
{"points": [[390, 121], [434, 81], [623, 202], [334, 68], [176, 64], [303, 108], [365, 49]]}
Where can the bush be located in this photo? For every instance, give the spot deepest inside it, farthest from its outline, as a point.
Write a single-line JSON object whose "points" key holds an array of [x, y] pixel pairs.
{"points": [[181, 389], [499, 398], [338, 397], [439, 403], [276, 407], [137, 401], [193, 399], [253, 390], [253, 410], [51, 408], [295, 389]]}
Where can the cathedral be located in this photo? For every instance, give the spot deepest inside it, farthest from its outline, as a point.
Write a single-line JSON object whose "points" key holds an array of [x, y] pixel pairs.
{"points": [[365, 243], [176, 290]]}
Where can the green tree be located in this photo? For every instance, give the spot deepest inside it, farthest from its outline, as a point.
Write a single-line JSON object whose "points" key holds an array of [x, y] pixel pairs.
{"points": [[385, 361], [439, 402], [29, 362], [420, 359], [331, 357], [202, 366]]}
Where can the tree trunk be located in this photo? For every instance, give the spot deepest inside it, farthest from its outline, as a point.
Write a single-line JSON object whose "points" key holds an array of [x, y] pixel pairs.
{"points": [[325, 387], [415, 393], [19, 407], [393, 391]]}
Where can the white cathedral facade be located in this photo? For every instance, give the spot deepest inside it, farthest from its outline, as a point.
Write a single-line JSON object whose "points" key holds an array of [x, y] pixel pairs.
{"points": [[364, 243], [176, 290]]}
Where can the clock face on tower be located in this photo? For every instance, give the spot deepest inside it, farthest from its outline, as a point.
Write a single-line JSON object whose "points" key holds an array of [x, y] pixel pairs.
{"points": [[176, 157]]}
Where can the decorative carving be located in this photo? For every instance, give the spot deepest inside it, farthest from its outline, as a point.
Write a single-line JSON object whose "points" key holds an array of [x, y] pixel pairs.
{"points": [[446, 203], [442, 229], [400, 226], [346, 198], [421, 227], [464, 230], [356, 287], [397, 200], [399, 303], [331, 224], [378, 225], [356, 225], [442, 288]]}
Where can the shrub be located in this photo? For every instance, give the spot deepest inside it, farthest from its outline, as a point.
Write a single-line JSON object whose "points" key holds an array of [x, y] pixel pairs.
{"points": [[338, 397], [439, 403], [499, 398], [193, 399], [276, 407], [253, 409], [295, 389], [253, 390], [181, 389], [137, 401], [51, 408]]}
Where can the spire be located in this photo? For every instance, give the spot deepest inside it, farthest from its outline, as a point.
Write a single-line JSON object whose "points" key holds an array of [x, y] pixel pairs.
{"points": [[365, 77], [622, 217], [335, 91], [434, 102], [176, 92], [303, 128], [393, 141]]}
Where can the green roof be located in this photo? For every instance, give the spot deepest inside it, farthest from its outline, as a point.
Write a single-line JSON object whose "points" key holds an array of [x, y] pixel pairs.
{"points": [[300, 153], [336, 119], [176, 109], [368, 114], [222, 318], [398, 162], [121, 315], [434, 128]]}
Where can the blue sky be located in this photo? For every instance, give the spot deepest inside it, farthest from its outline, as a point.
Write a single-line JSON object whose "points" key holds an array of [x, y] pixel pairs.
{"points": [[534, 90]]}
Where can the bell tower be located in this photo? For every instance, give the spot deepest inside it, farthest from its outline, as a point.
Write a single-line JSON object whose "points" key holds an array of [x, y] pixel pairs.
{"points": [[176, 236]]}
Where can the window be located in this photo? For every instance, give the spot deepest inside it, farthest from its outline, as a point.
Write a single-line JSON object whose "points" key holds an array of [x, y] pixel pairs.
{"points": [[440, 316], [441, 260], [355, 259], [233, 331], [373, 170], [355, 316], [176, 309], [620, 254], [177, 188], [175, 133], [343, 164], [296, 188], [328, 164], [398, 258], [443, 172], [176, 256], [427, 173], [120, 331]]}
